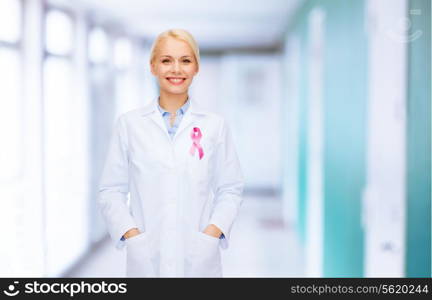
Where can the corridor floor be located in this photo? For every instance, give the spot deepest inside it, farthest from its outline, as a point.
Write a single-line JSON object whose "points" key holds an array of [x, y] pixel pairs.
{"points": [[261, 246]]}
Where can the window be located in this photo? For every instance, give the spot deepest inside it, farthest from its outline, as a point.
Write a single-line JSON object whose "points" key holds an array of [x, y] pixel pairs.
{"points": [[65, 147], [101, 90], [10, 116], [127, 81], [98, 46], [59, 33], [10, 77], [122, 53], [10, 21], [11, 131]]}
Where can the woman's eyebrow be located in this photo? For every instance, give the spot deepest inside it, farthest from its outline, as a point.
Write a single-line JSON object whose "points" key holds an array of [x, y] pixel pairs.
{"points": [[180, 56]]}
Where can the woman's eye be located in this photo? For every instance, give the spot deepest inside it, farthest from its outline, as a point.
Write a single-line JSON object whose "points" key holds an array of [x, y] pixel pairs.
{"points": [[186, 61], [165, 61]]}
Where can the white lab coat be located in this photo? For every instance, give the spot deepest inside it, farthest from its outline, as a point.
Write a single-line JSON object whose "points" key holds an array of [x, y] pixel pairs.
{"points": [[173, 195]]}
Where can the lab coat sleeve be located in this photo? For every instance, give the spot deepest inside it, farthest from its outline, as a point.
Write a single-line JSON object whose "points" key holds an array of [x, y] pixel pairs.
{"points": [[227, 185], [114, 186]]}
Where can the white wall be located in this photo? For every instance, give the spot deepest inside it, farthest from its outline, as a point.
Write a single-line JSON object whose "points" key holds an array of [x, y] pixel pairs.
{"points": [[384, 196], [315, 137], [290, 136], [246, 90]]}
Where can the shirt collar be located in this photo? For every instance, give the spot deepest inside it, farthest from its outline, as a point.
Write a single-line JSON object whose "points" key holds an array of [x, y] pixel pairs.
{"points": [[182, 110]]}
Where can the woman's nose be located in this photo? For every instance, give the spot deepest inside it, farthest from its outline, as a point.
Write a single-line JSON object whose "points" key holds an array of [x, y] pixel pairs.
{"points": [[176, 66]]}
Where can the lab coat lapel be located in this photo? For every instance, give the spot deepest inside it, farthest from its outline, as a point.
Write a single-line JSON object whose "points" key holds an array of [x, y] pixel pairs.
{"points": [[154, 114], [190, 118], [157, 118], [187, 120]]}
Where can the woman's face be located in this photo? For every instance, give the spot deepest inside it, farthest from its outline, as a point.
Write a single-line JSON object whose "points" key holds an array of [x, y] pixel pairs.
{"points": [[174, 65]]}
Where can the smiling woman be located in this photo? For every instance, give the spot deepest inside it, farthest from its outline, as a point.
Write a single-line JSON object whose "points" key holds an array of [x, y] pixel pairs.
{"points": [[174, 61], [181, 168]]}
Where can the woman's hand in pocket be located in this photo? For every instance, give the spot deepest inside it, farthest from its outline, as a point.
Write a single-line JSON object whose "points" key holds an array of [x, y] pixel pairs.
{"points": [[213, 231], [131, 233]]}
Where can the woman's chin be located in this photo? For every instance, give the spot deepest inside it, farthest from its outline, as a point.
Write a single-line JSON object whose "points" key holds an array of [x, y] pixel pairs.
{"points": [[175, 91]]}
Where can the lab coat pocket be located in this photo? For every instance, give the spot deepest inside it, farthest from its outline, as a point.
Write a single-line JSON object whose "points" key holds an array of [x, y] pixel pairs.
{"points": [[206, 261], [138, 257]]}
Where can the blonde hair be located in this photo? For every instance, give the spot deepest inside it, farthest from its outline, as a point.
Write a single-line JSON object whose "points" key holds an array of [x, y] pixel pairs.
{"points": [[179, 34]]}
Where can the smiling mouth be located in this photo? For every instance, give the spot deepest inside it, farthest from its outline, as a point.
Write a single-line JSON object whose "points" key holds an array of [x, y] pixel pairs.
{"points": [[176, 80]]}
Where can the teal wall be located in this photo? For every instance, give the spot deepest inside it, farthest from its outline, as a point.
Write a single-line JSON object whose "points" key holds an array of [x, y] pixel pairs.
{"points": [[345, 86], [345, 142], [418, 254], [303, 121], [300, 29], [345, 94]]}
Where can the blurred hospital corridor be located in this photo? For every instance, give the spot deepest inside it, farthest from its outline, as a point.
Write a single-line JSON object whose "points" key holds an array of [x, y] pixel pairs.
{"points": [[328, 103]]}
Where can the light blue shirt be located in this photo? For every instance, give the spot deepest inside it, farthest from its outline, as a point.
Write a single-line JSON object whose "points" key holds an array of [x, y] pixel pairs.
{"points": [[179, 116]]}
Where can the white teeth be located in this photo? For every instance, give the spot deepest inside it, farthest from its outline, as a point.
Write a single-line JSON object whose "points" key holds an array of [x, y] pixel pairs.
{"points": [[176, 80]]}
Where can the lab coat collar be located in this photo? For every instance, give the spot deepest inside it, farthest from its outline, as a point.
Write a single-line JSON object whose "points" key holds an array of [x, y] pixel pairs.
{"points": [[194, 107], [189, 117]]}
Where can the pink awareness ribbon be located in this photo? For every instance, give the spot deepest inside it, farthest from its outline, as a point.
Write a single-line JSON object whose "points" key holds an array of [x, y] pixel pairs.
{"points": [[196, 137]]}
